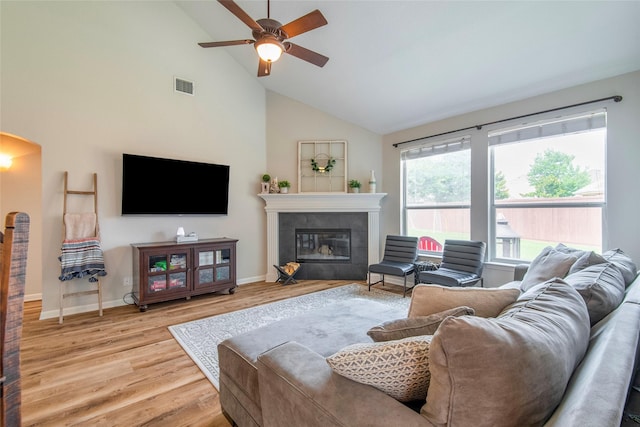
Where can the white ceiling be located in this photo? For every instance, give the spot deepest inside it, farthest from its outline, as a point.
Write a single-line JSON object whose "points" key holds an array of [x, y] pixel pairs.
{"points": [[398, 64]]}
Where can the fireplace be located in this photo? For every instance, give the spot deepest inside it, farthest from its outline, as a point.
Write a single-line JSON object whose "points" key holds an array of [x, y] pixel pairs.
{"points": [[328, 245], [297, 213]]}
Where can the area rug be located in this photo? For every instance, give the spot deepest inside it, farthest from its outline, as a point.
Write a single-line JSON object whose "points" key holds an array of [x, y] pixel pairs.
{"points": [[200, 338]]}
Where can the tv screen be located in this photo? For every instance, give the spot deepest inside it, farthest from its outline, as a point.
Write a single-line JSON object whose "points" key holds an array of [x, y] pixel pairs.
{"points": [[157, 186]]}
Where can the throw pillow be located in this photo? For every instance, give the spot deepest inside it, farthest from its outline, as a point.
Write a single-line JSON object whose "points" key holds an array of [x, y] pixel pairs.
{"points": [[548, 264], [522, 360], [624, 263], [486, 302], [414, 326], [584, 258], [602, 288], [398, 368]]}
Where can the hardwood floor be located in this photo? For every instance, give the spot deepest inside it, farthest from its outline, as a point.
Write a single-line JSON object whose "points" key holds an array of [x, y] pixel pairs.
{"points": [[125, 368]]}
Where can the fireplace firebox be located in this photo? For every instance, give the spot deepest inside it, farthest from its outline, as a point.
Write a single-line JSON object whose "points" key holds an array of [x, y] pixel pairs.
{"points": [[323, 245]]}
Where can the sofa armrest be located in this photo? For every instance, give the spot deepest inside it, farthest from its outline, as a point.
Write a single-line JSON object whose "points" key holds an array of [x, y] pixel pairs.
{"points": [[519, 271], [298, 388]]}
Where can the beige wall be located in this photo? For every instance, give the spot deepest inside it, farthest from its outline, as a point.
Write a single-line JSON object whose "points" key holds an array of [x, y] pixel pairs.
{"points": [[88, 81], [623, 152], [289, 121]]}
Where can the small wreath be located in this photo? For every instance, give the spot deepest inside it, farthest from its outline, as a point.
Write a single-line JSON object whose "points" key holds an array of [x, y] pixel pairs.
{"points": [[322, 169]]}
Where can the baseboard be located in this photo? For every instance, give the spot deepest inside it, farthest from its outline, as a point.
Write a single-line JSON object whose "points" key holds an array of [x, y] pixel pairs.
{"points": [[33, 297], [50, 314]]}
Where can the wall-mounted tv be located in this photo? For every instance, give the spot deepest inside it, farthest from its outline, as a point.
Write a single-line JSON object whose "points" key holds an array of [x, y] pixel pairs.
{"points": [[157, 186]]}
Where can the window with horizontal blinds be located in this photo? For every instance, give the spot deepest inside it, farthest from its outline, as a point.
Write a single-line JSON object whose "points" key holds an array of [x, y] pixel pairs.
{"points": [[549, 128], [436, 193], [434, 148], [548, 185]]}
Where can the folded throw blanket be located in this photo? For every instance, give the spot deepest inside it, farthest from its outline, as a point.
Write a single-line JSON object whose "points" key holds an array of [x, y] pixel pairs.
{"points": [[80, 225], [80, 258]]}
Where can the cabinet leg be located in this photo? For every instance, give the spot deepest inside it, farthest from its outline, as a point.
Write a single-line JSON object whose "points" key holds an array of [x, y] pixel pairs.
{"points": [[143, 308], [232, 290]]}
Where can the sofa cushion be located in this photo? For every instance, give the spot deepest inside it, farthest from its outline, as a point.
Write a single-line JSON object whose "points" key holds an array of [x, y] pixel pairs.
{"points": [[624, 263], [414, 326], [602, 287], [522, 360], [399, 368], [486, 302], [548, 264]]}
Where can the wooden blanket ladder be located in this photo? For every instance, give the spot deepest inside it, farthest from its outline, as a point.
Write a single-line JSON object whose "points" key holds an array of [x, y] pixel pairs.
{"points": [[93, 193]]}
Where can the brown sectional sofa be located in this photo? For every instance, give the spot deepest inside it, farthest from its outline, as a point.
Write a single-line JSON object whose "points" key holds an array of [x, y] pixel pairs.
{"points": [[539, 361]]}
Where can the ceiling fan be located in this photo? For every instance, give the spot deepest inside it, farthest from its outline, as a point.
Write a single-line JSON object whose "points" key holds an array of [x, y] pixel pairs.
{"points": [[270, 37]]}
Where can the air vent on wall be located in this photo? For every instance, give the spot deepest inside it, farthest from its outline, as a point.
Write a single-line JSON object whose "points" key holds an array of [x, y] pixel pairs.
{"points": [[183, 86]]}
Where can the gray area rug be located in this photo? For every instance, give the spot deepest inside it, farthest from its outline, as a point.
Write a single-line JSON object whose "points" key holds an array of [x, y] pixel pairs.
{"points": [[200, 338]]}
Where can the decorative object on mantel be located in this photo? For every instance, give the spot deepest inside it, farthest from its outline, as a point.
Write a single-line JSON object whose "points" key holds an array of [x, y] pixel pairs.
{"points": [[372, 182], [322, 166], [264, 185], [284, 186], [326, 163], [354, 184], [274, 188]]}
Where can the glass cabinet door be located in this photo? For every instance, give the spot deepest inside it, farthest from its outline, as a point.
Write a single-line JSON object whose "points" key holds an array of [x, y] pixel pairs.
{"points": [[214, 266], [167, 272]]}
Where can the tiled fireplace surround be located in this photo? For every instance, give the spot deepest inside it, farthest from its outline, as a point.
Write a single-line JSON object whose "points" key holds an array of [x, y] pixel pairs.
{"points": [[358, 212]]}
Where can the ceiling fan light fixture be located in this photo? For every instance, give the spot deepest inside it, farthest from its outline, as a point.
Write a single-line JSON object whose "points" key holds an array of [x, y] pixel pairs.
{"points": [[269, 49]]}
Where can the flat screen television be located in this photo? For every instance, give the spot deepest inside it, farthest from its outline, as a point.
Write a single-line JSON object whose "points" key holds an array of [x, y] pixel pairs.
{"points": [[157, 186]]}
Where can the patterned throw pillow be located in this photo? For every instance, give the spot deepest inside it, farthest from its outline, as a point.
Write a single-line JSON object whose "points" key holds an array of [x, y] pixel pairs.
{"points": [[414, 326], [398, 368]]}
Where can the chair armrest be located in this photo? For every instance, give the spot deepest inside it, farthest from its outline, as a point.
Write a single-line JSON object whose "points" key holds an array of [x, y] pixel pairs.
{"points": [[298, 388]]}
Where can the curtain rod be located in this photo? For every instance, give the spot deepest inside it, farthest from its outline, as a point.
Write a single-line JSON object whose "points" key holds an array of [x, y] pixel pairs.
{"points": [[616, 98]]}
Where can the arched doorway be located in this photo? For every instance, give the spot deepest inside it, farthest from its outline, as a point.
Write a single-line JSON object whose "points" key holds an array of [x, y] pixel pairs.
{"points": [[21, 190]]}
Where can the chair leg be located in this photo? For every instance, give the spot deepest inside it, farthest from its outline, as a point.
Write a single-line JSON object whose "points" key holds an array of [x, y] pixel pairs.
{"points": [[375, 283]]}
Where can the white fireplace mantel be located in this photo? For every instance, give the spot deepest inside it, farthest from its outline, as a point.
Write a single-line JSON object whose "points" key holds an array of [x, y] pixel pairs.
{"points": [[321, 202]]}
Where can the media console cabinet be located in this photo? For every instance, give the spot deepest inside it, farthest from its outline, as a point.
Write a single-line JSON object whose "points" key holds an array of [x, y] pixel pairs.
{"points": [[165, 271]]}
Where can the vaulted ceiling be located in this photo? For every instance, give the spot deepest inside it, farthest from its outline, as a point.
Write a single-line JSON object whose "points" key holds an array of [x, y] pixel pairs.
{"points": [[397, 64]]}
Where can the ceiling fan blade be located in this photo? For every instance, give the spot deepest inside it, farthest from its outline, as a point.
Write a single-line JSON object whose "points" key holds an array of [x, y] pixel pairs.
{"points": [[241, 14], [226, 43], [306, 54], [264, 68], [308, 22]]}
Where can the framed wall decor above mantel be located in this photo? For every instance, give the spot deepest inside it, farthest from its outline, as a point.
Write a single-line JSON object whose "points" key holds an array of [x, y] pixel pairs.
{"points": [[322, 166]]}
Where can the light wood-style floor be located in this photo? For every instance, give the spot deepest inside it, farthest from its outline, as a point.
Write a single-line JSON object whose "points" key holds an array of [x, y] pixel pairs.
{"points": [[125, 368]]}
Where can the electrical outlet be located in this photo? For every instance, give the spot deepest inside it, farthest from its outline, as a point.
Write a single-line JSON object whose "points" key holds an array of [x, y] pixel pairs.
{"points": [[127, 281]]}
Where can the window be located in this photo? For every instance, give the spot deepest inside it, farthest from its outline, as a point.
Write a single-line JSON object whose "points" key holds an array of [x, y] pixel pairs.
{"points": [[436, 182], [548, 186]]}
